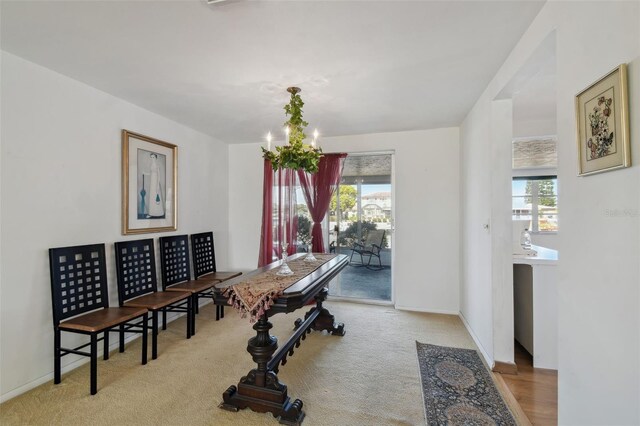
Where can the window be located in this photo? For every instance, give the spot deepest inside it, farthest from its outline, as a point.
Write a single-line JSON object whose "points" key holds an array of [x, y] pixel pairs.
{"points": [[536, 199]]}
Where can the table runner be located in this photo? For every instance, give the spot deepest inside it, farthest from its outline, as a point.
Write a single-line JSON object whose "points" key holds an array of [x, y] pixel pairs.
{"points": [[257, 294]]}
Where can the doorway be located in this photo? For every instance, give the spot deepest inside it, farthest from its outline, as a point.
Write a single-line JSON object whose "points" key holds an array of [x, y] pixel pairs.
{"points": [[361, 227]]}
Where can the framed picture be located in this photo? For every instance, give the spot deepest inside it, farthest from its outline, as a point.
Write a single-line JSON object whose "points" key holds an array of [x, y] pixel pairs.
{"points": [[602, 117], [149, 184]]}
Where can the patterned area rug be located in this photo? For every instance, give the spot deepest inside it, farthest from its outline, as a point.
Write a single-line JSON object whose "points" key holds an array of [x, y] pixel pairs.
{"points": [[458, 389]]}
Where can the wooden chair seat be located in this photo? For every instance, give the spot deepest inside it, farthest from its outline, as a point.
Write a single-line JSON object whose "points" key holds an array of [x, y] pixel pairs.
{"points": [[156, 301], [219, 276], [97, 321], [193, 286]]}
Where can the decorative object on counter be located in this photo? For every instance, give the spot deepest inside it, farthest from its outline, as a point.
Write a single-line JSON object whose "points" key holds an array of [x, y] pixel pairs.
{"points": [[284, 268], [149, 184], [458, 389], [602, 119], [295, 154], [525, 239]]}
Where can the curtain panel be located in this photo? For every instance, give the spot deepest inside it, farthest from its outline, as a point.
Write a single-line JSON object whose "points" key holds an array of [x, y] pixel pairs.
{"points": [[317, 189], [279, 219]]}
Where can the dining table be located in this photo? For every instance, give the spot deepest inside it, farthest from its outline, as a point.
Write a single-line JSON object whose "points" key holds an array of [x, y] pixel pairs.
{"points": [[259, 295]]}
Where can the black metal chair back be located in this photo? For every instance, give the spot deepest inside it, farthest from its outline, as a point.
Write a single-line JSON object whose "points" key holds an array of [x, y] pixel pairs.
{"points": [[78, 280], [204, 254], [174, 260], [136, 269]]}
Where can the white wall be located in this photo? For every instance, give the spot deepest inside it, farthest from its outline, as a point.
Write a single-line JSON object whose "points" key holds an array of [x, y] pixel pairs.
{"points": [[426, 240], [61, 168], [245, 205], [598, 288]]}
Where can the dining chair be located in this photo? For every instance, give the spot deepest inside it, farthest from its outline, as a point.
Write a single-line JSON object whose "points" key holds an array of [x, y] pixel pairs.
{"points": [[81, 305], [138, 286], [204, 263], [176, 272]]}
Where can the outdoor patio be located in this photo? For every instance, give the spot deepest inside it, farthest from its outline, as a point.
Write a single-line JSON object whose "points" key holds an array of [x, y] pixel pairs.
{"points": [[363, 283]]}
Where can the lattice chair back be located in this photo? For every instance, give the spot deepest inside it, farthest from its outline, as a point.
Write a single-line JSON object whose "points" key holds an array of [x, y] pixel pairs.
{"points": [[136, 269], [78, 280], [174, 260], [204, 254]]}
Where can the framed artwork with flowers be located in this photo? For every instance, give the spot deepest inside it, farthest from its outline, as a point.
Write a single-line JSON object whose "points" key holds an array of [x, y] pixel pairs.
{"points": [[602, 117]]}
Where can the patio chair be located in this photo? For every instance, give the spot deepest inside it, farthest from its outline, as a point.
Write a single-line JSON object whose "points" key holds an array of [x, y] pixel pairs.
{"points": [[81, 305], [370, 248], [204, 263], [138, 287]]}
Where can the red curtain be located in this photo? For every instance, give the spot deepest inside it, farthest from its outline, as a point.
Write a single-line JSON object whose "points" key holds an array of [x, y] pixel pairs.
{"points": [[279, 220], [266, 238], [318, 189]]}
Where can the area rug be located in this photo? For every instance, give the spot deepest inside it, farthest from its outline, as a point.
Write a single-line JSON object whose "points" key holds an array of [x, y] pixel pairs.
{"points": [[458, 389]]}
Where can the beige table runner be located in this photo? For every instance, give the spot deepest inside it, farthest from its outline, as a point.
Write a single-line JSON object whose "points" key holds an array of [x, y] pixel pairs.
{"points": [[257, 294]]}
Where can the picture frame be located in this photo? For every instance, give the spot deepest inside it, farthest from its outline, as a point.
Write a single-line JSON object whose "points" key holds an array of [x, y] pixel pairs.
{"points": [[149, 184], [602, 120]]}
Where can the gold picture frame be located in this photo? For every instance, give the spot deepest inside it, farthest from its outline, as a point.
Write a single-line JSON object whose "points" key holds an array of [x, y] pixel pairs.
{"points": [[602, 120], [149, 184]]}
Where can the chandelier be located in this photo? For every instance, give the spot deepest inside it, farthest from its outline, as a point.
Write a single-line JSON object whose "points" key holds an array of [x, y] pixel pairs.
{"points": [[294, 154]]}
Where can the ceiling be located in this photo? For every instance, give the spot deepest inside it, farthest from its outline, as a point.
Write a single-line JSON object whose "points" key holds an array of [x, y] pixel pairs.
{"points": [[364, 67]]}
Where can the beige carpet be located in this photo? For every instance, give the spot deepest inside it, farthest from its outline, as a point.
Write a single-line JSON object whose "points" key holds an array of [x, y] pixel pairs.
{"points": [[368, 377]]}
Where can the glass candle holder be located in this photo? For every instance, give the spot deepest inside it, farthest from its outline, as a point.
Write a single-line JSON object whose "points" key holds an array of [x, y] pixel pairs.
{"points": [[284, 267], [310, 257]]}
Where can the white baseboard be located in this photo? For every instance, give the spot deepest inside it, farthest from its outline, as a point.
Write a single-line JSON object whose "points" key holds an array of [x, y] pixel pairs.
{"points": [[78, 362], [485, 355], [427, 311]]}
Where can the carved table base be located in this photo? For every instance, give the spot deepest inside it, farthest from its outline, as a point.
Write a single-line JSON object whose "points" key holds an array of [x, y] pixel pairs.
{"points": [[260, 390]]}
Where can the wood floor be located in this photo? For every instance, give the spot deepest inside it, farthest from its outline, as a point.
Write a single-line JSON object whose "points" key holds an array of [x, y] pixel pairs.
{"points": [[535, 389]]}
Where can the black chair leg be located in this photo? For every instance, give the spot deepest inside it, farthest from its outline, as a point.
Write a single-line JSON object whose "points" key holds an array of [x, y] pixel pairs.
{"points": [[56, 356], [217, 312], [154, 335], [194, 304], [164, 319], [121, 338], [105, 345], [94, 363], [221, 311], [145, 318], [189, 313]]}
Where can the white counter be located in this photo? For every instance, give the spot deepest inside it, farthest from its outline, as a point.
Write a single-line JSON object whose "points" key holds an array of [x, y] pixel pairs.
{"points": [[536, 305], [544, 256]]}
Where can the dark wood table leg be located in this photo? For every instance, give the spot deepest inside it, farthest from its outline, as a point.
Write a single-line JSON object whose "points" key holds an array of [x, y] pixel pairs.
{"points": [[324, 320], [260, 389]]}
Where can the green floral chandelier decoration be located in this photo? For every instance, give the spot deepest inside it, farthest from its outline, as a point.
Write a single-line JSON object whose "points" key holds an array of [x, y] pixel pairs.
{"points": [[295, 154]]}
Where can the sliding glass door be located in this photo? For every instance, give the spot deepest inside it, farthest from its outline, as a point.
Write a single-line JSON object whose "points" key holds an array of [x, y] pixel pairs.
{"points": [[361, 226]]}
